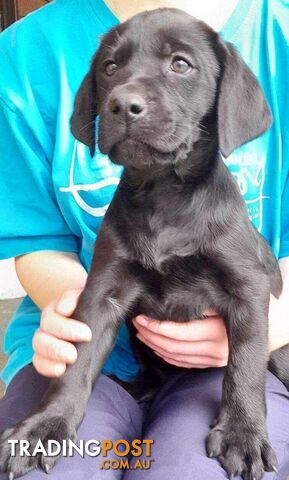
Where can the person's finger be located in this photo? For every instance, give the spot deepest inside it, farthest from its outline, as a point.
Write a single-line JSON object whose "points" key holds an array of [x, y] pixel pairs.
{"points": [[67, 303], [210, 312], [184, 364], [53, 348], [64, 328], [172, 346], [196, 349], [197, 361], [47, 367], [195, 330]]}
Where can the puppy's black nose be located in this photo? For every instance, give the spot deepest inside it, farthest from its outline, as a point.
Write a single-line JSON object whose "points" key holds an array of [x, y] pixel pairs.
{"points": [[130, 104]]}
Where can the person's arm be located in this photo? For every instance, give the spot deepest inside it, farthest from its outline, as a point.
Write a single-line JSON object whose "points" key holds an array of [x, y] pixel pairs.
{"points": [[54, 281], [204, 343], [46, 275]]}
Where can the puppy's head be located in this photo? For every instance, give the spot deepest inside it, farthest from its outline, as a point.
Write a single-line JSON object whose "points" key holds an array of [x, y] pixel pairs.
{"points": [[161, 82]]}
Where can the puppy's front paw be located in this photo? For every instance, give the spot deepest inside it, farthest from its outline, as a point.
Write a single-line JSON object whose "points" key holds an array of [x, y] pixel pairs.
{"points": [[40, 426], [241, 451]]}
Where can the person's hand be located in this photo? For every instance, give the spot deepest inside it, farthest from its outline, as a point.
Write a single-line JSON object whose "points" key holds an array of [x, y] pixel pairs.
{"points": [[196, 344], [52, 341]]}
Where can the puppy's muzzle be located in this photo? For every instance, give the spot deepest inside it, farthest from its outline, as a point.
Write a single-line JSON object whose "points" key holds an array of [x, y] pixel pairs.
{"points": [[125, 105], [135, 111]]}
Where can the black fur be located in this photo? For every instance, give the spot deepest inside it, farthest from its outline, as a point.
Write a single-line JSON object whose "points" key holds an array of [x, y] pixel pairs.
{"points": [[176, 238]]}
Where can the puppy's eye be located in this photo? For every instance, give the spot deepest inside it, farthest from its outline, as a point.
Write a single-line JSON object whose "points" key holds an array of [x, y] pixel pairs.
{"points": [[110, 68], [180, 65]]}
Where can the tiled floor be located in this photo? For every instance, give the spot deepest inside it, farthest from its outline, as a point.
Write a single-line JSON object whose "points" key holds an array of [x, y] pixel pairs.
{"points": [[7, 307]]}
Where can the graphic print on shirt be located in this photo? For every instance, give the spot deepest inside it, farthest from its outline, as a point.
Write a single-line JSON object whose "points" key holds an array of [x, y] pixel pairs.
{"points": [[107, 175], [248, 169]]}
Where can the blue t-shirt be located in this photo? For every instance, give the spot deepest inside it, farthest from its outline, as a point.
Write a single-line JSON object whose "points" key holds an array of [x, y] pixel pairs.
{"points": [[53, 195]]}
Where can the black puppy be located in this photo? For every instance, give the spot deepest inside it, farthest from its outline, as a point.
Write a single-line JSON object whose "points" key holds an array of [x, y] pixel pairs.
{"points": [[176, 238]]}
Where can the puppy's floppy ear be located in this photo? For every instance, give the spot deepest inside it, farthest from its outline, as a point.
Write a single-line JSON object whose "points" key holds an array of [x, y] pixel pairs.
{"points": [[85, 110], [243, 113]]}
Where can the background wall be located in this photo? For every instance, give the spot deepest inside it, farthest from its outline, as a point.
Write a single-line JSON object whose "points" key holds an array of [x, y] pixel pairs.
{"points": [[9, 284], [26, 6]]}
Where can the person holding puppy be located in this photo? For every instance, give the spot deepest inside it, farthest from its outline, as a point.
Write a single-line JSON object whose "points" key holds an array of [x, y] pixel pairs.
{"points": [[55, 206]]}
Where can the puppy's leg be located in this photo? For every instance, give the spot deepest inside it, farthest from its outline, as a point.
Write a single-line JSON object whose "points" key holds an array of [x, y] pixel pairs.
{"points": [[111, 290], [239, 439]]}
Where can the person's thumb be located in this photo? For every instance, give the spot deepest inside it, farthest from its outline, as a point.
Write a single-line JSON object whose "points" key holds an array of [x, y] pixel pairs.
{"points": [[68, 301]]}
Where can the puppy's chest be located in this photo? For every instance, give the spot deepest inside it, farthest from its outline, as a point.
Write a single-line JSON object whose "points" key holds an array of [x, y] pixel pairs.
{"points": [[162, 223], [160, 240], [152, 247]]}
